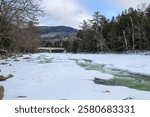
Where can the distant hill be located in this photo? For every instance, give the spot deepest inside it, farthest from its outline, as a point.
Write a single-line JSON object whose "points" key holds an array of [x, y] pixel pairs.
{"points": [[57, 32], [58, 29]]}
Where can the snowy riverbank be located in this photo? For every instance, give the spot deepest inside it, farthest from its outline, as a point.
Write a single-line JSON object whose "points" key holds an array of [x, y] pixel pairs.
{"points": [[57, 76]]}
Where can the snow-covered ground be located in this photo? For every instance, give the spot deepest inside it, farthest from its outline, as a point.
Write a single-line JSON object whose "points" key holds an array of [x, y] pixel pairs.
{"points": [[57, 76]]}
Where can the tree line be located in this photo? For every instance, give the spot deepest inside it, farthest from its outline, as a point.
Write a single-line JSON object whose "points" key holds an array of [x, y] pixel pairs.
{"points": [[69, 44], [129, 31], [18, 32]]}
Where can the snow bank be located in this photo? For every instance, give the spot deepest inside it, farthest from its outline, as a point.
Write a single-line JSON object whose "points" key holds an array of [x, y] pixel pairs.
{"points": [[62, 78]]}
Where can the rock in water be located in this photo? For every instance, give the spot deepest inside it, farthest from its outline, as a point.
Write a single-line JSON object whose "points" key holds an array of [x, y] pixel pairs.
{"points": [[102, 81], [1, 92], [10, 76], [3, 78]]}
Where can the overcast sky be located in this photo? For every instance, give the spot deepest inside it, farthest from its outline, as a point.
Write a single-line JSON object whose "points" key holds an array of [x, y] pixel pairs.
{"points": [[72, 12]]}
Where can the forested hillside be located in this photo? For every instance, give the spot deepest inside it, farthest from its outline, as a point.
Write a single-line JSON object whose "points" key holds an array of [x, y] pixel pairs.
{"points": [[48, 29], [129, 31], [55, 33], [58, 36]]}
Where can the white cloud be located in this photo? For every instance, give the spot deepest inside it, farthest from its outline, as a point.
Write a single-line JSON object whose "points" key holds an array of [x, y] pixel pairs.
{"points": [[124, 4], [63, 12], [71, 13]]}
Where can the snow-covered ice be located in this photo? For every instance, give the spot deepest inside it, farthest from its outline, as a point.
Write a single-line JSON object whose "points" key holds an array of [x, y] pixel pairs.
{"points": [[57, 76]]}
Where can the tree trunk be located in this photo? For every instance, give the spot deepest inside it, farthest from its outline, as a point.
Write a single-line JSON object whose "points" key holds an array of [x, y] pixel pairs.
{"points": [[125, 40], [133, 39]]}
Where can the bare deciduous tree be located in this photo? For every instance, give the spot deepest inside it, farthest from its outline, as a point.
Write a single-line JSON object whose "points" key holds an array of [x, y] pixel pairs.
{"points": [[14, 17]]}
